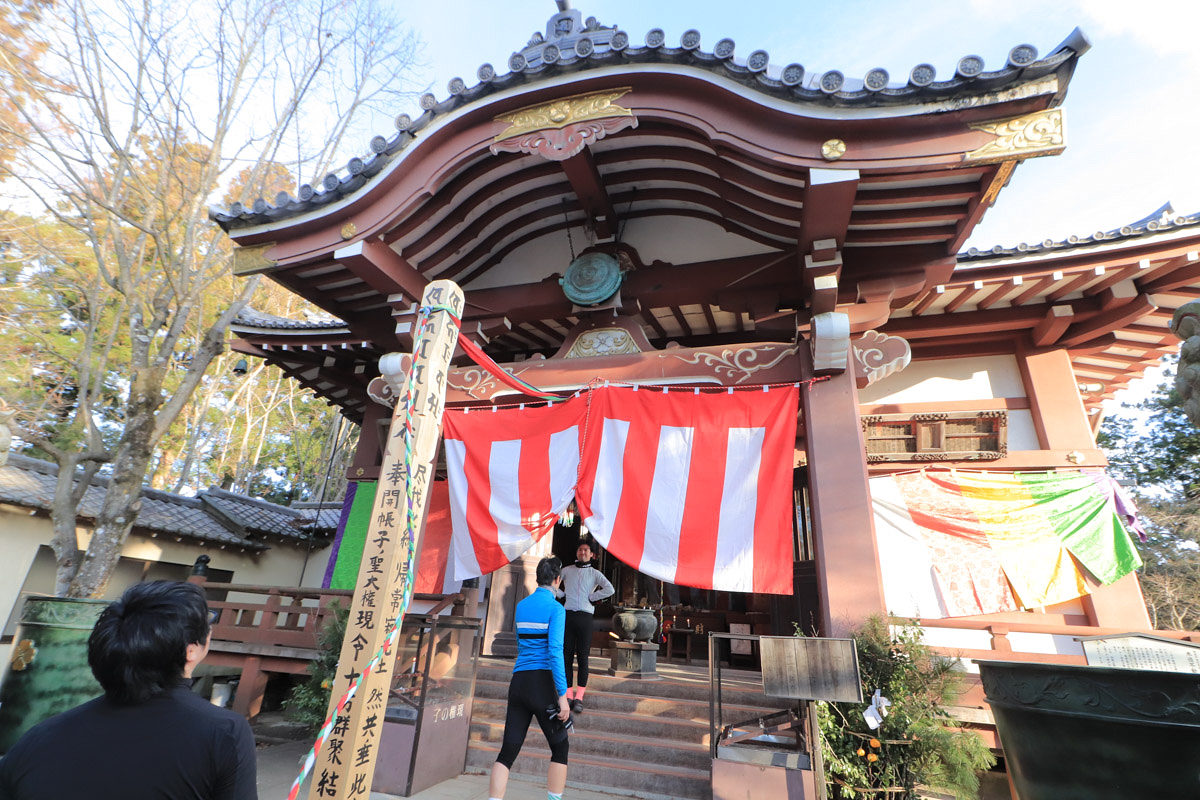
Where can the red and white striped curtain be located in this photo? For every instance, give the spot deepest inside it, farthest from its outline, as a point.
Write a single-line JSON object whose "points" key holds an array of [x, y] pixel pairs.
{"points": [[690, 488]]}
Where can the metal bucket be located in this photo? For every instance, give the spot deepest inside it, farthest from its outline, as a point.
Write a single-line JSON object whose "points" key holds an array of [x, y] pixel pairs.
{"points": [[1095, 733], [48, 672]]}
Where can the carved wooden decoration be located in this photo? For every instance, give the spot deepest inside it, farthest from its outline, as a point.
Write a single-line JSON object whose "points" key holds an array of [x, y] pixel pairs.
{"points": [[722, 365], [562, 128], [602, 335], [937, 436], [877, 355], [346, 764]]}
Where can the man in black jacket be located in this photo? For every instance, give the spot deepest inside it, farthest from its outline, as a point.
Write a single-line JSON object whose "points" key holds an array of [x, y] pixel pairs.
{"points": [[148, 736]]}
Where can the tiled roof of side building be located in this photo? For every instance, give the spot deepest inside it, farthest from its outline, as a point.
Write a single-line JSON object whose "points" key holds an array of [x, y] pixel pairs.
{"points": [[572, 44], [215, 516], [320, 518], [257, 517], [252, 318], [29, 483], [1161, 221]]}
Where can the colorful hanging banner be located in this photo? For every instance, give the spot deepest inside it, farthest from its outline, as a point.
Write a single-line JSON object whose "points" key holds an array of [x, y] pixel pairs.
{"points": [[959, 543]]}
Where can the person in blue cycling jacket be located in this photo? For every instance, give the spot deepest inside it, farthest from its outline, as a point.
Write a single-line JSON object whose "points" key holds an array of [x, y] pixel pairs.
{"points": [[539, 683]]}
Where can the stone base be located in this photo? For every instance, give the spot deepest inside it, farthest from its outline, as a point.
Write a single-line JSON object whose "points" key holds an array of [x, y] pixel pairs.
{"points": [[635, 660]]}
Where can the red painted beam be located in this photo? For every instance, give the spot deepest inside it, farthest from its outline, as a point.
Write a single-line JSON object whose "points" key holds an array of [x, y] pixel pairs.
{"points": [[1108, 321], [1053, 325], [585, 179], [382, 268]]}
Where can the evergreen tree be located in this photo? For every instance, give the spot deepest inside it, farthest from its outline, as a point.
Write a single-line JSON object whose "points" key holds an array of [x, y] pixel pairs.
{"points": [[1153, 448]]}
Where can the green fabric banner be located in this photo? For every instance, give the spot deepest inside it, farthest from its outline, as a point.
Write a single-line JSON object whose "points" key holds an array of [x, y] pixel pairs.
{"points": [[345, 571]]}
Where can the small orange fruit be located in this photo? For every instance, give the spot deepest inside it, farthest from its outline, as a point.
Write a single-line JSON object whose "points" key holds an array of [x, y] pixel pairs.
{"points": [[872, 757], [861, 752], [874, 743]]}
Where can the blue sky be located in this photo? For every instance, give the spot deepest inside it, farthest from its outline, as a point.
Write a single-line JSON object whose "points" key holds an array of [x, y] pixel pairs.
{"points": [[1132, 113]]}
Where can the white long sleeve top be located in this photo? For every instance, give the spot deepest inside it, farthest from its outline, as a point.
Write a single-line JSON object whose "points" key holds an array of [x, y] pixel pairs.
{"points": [[584, 586]]}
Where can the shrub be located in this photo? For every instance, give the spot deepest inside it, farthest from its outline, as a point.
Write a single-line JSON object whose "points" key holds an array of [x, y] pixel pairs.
{"points": [[308, 702], [918, 743]]}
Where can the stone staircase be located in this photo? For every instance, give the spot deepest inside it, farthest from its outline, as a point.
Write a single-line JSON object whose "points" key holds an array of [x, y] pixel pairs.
{"points": [[640, 739]]}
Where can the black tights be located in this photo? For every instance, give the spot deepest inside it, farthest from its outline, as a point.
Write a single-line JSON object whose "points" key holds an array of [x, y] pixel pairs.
{"points": [[577, 643], [531, 694]]}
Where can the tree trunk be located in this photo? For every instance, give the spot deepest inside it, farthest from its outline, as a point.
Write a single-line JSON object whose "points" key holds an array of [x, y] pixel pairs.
{"points": [[121, 501]]}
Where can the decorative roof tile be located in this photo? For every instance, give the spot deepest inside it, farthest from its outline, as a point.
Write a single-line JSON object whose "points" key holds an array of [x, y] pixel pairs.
{"points": [[572, 44]]}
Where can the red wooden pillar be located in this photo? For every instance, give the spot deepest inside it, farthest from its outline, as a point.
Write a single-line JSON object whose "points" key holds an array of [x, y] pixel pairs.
{"points": [[1058, 414], [251, 688], [369, 453], [843, 525]]}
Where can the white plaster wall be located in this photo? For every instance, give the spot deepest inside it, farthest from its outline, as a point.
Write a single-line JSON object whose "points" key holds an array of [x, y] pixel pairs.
{"points": [[1022, 435], [940, 380], [20, 536], [675, 240]]}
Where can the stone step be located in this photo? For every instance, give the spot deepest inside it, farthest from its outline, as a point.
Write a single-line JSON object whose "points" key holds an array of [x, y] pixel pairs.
{"points": [[738, 690], [630, 749], [612, 723], [614, 775], [645, 705]]}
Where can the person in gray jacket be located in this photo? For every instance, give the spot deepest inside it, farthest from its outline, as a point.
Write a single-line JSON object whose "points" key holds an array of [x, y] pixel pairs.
{"points": [[582, 585]]}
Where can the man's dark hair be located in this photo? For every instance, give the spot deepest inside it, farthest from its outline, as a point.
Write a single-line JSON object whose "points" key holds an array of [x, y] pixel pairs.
{"points": [[139, 646], [547, 570]]}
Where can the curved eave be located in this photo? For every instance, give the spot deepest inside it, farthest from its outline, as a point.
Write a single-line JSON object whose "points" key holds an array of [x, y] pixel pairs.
{"points": [[1043, 82]]}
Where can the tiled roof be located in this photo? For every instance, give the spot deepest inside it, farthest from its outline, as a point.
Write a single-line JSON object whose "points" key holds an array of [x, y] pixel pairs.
{"points": [[252, 318], [1161, 220], [571, 44], [320, 518], [29, 482], [214, 516], [257, 517]]}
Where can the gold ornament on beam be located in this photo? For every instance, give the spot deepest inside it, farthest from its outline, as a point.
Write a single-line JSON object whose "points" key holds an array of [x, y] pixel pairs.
{"points": [[563, 112], [833, 149], [998, 182], [561, 129], [1042, 133], [349, 230]]}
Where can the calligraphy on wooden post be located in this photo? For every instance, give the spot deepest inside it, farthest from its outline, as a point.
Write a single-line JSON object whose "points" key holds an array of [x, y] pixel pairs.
{"points": [[346, 764]]}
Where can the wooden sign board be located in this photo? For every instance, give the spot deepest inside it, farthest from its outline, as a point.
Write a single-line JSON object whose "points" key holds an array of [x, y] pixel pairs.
{"points": [[804, 668], [1142, 651]]}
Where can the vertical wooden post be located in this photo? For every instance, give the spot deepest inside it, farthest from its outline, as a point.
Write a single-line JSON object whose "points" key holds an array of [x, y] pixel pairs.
{"points": [[345, 765], [843, 523]]}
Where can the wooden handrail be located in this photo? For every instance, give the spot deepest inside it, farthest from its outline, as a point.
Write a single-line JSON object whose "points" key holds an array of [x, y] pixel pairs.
{"points": [[297, 591]]}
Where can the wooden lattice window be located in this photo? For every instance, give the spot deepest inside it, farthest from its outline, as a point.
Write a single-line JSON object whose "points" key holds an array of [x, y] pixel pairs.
{"points": [[938, 436]]}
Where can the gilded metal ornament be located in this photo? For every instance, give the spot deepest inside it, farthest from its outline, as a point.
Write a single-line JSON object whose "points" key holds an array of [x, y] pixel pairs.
{"points": [[1042, 133], [23, 655], [349, 230], [833, 149], [1002, 176], [249, 260], [563, 112]]}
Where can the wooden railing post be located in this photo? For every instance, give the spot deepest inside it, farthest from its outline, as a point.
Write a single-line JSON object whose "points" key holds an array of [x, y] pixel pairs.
{"points": [[1000, 642]]}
